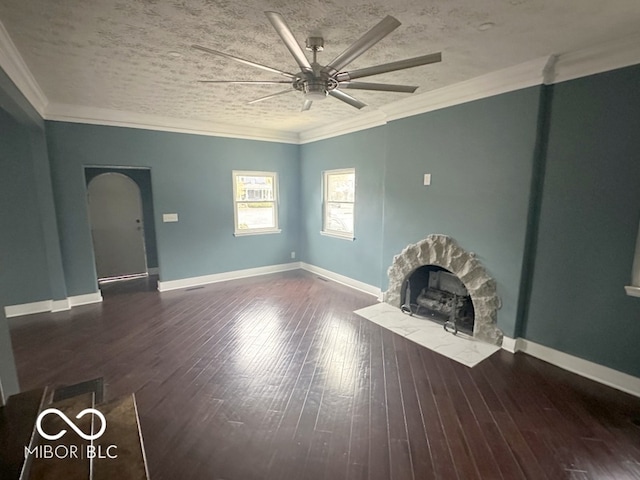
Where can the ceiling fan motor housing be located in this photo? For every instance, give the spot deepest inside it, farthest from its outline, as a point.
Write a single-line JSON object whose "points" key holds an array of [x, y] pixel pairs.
{"points": [[315, 85]]}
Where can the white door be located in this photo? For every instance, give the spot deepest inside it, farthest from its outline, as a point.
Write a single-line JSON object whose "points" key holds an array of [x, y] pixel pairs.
{"points": [[115, 212]]}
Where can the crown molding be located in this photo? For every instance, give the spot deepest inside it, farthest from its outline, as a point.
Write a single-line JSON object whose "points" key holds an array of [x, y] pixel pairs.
{"points": [[104, 116], [619, 53], [525, 75], [554, 68], [547, 70], [16, 69], [521, 76], [365, 120]]}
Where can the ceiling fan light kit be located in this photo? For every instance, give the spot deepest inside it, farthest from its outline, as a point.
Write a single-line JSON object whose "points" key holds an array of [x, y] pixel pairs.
{"points": [[316, 81]]}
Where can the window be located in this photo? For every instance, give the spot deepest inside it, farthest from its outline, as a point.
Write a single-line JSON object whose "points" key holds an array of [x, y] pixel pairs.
{"points": [[338, 203], [255, 202]]}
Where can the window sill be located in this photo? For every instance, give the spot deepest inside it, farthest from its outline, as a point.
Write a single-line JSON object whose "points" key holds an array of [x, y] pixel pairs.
{"points": [[633, 291], [350, 238], [263, 232]]}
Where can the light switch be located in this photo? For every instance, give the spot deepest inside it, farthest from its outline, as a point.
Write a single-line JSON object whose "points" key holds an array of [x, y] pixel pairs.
{"points": [[427, 179], [169, 217]]}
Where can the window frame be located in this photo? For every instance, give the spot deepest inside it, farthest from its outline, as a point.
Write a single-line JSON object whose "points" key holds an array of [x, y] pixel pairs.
{"points": [[276, 200], [325, 190]]}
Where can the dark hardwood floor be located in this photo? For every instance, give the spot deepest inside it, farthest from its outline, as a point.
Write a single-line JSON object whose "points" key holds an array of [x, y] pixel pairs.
{"points": [[274, 377]]}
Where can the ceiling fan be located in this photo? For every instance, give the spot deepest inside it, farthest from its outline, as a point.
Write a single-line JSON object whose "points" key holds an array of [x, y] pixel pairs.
{"points": [[316, 81]]}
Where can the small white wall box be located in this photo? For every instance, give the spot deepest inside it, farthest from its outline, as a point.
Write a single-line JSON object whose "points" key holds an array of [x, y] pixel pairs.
{"points": [[427, 179], [169, 217]]}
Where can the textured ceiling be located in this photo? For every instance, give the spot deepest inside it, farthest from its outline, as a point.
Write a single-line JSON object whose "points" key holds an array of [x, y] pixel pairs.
{"points": [[135, 55]]}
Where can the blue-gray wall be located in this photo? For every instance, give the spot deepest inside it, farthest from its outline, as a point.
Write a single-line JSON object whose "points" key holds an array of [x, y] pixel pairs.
{"points": [[589, 221], [191, 176], [23, 276], [29, 254], [480, 155], [365, 151]]}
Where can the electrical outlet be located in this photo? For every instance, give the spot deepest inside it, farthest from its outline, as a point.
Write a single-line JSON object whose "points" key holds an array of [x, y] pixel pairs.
{"points": [[427, 179], [293, 254]]}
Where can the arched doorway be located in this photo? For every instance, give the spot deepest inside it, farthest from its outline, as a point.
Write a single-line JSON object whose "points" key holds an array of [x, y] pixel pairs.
{"points": [[115, 214]]}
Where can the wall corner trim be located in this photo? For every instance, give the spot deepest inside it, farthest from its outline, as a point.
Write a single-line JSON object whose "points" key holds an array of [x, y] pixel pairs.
{"points": [[585, 368], [343, 280], [183, 283], [52, 306], [512, 345]]}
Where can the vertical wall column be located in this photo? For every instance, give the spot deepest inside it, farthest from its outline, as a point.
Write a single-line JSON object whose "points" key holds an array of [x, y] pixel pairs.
{"points": [[46, 207], [535, 200]]}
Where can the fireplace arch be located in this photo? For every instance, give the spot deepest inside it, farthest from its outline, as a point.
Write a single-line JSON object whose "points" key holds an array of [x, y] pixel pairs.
{"points": [[443, 251]]}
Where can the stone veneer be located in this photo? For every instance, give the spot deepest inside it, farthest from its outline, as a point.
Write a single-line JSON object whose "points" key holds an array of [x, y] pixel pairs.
{"points": [[444, 252]]}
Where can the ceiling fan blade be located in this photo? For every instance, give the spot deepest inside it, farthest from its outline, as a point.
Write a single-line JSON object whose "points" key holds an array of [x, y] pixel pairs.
{"points": [[368, 40], [247, 82], [306, 105], [289, 40], [347, 99], [267, 97], [389, 67], [242, 60], [382, 87]]}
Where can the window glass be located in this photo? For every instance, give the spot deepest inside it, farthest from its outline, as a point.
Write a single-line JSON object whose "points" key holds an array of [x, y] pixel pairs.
{"points": [[339, 202], [255, 202]]}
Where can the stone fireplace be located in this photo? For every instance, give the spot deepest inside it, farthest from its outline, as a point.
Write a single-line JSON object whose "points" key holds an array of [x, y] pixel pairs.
{"points": [[443, 276]]}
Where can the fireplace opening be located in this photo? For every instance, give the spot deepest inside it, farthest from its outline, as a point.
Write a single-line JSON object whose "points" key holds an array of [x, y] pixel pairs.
{"points": [[433, 292]]}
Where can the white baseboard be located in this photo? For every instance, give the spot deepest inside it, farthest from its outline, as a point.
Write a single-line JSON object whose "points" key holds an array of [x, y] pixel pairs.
{"points": [[46, 306], [224, 276], [593, 371], [60, 305], [512, 345], [85, 299], [11, 311], [252, 272], [632, 291], [336, 277]]}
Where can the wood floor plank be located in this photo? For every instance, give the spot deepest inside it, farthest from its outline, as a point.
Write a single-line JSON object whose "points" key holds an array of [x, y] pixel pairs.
{"points": [[379, 467], [439, 451], [17, 423], [275, 377]]}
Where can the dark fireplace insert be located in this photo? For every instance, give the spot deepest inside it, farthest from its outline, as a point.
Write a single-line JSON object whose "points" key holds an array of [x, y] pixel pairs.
{"points": [[435, 293]]}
